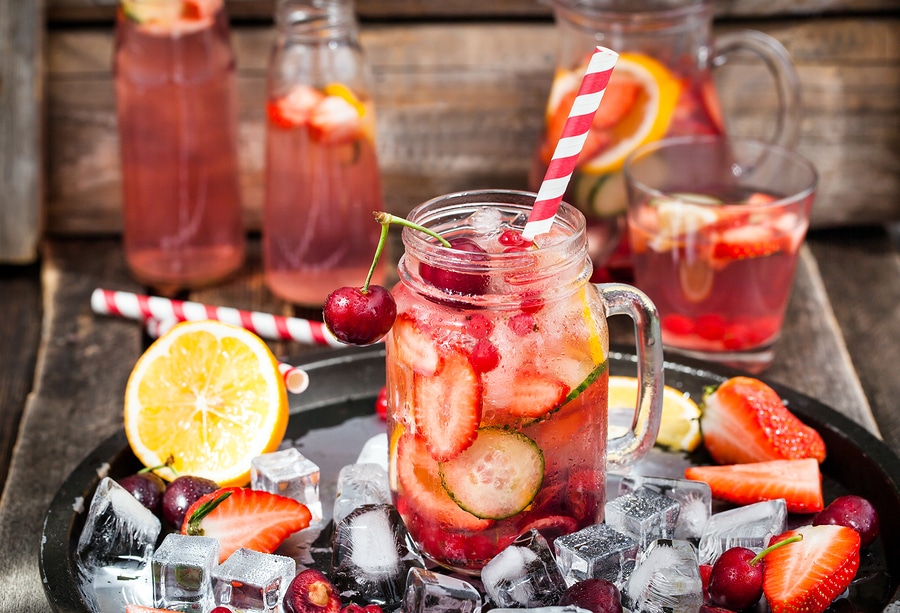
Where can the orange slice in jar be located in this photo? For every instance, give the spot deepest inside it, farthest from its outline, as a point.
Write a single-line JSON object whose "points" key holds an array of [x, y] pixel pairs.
{"points": [[637, 108]]}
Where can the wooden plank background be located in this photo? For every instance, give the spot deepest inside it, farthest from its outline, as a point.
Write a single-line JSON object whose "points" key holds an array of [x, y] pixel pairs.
{"points": [[460, 101], [21, 122]]}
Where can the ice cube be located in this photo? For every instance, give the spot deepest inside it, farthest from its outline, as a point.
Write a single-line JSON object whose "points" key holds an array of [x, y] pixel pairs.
{"points": [[428, 592], [597, 551], [644, 515], [288, 473], [371, 555], [253, 582], [181, 571], [524, 574], [119, 532], [665, 579], [750, 526], [360, 484], [486, 220], [111, 590], [375, 451], [694, 499]]}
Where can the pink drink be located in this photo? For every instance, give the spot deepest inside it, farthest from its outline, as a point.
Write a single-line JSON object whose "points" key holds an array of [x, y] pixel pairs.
{"points": [[322, 185], [720, 274], [174, 75], [497, 381]]}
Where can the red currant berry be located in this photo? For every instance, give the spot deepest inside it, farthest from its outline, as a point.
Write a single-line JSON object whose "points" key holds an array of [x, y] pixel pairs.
{"points": [[521, 324], [514, 238], [381, 403], [478, 326], [485, 356]]}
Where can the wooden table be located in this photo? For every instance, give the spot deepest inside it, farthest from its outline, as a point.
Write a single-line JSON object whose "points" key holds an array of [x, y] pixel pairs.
{"points": [[444, 74], [63, 370]]}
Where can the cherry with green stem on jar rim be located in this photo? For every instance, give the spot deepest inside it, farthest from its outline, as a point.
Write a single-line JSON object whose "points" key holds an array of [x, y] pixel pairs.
{"points": [[362, 316]]}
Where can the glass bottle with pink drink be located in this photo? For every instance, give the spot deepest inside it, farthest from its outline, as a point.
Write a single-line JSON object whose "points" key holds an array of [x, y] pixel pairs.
{"points": [[175, 93], [322, 177]]}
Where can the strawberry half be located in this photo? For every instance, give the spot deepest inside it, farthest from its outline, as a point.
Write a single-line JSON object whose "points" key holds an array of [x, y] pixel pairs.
{"points": [[799, 482], [809, 574], [744, 420], [294, 109], [749, 241], [240, 517], [447, 408], [420, 482], [531, 395], [415, 348]]}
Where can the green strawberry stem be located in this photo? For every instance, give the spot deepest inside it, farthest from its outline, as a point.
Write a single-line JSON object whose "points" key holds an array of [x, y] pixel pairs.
{"points": [[202, 511], [386, 219], [764, 552]]}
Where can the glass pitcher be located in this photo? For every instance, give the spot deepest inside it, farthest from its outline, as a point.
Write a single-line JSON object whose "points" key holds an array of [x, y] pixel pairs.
{"points": [[662, 86]]}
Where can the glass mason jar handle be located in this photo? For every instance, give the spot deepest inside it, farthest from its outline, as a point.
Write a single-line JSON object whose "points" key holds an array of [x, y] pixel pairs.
{"points": [[623, 299], [778, 61]]}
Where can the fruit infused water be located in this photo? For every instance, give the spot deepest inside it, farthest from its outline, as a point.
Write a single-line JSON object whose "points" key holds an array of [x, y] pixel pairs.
{"points": [[174, 77], [715, 228], [662, 87], [497, 380], [322, 176]]}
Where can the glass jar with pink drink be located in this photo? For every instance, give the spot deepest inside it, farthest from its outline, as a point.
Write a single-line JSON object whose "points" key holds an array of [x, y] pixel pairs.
{"points": [[322, 180], [662, 86], [497, 378], [177, 115]]}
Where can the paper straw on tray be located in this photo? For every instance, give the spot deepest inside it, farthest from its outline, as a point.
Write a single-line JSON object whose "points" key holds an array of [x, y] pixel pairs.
{"points": [[296, 380], [272, 327], [575, 132]]}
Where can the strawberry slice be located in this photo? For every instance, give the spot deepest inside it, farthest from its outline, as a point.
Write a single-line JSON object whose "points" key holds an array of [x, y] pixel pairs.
{"points": [[809, 574], [749, 241], [744, 420], [415, 348], [240, 517], [335, 121], [294, 109], [420, 482], [532, 394], [447, 408], [799, 482]]}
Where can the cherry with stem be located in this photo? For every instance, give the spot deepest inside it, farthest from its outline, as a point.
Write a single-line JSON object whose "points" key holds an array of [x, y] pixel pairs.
{"points": [[363, 315], [736, 580]]}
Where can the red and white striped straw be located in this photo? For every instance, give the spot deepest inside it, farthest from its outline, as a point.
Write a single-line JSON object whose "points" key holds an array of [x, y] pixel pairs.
{"points": [[575, 132], [268, 326], [296, 380]]}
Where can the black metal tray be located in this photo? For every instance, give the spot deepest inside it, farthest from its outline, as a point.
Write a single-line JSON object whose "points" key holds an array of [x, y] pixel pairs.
{"points": [[334, 417]]}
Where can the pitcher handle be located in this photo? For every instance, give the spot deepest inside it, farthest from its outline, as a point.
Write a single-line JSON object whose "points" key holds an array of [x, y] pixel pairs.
{"points": [[778, 61], [627, 300]]}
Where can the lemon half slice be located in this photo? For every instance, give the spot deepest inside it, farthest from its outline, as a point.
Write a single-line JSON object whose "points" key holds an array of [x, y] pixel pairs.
{"points": [[209, 395], [679, 428]]}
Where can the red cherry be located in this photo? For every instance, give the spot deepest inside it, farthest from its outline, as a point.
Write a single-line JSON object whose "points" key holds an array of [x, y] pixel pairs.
{"points": [[458, 282], [381, 403], [360, 317], [854, 512], [734, 582]]}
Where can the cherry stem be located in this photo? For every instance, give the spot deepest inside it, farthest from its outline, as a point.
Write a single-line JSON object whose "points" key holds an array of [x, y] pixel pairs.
{"points": [[770, 548], [170, 461], [386, 219]]}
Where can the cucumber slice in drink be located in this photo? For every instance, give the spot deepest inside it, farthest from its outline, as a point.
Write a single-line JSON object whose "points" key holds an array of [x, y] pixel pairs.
{"points": [[599, 369], [144, 12], [497, 476], [600, 195]]}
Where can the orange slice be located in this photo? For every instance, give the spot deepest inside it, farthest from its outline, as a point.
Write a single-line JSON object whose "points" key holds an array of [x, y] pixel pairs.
{"points": [[637, 108], [209, 395]]}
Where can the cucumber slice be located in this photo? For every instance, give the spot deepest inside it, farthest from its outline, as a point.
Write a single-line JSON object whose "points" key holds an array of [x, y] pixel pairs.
{"points": [[144, 12], [592, 376], [610, 197], [497, 476]]}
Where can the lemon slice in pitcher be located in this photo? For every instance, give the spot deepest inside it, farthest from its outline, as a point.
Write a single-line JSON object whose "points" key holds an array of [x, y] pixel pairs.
{"points": [[679, 428]]}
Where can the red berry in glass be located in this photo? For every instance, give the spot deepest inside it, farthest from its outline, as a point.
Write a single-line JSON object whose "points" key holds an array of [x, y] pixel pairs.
{"points": [[472, 284]]}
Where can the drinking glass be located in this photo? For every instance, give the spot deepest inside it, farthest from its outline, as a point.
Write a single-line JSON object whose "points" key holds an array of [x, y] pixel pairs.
{"points": [[497, 378], [715, 226]]}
